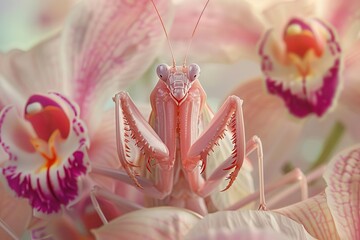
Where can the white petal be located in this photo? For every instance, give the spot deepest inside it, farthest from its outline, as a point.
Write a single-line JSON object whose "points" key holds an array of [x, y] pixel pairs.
{"points": [[152, 223], [23, 73], [250, 220], [249, 234]]}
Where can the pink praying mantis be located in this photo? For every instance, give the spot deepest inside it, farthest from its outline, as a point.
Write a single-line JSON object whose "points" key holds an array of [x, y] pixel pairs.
{"points": [[173, 147]]}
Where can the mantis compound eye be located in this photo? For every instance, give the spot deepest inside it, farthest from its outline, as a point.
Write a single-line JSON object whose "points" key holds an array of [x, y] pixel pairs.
{"points": [[194, 71], [163, 71]]}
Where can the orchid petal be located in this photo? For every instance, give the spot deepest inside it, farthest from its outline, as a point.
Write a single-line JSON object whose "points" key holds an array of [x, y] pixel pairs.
{"points": [[265, 117], [107, 44], [103, 149], [16, 213], [58, 228], [349, 102], [314, 214], [51, 14], [343, 179], [340, 14], [103, 142], [23, 73], [251, 221], [222, 25], [152, 223], [277, 13], [226, 234]]}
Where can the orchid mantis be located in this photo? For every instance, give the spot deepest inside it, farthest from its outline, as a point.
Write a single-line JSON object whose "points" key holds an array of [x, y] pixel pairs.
{"points": [[172, 149]]}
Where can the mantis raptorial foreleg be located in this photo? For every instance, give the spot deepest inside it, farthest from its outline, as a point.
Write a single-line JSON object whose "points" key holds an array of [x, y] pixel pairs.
{"points": [[229, 115], [218, 174], [131, 125]]}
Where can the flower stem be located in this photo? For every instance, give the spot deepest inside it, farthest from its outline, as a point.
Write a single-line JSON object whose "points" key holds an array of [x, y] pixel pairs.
{"points": [[330, 143]]}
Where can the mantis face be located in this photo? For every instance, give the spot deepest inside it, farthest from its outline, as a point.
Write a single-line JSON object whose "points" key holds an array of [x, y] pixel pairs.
{"points": [[178, 79]]}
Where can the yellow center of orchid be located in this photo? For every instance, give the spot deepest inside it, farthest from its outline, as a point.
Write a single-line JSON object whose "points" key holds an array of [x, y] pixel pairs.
{"points": [[47, 151], [302, 48]]}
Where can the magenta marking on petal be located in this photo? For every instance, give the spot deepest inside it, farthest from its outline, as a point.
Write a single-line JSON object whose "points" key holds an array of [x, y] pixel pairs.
{"points": [[43, 100], [301, 107], [68, 184], [78, 127], [50, 185], [266, 64], [6, 148], [72, 106], [39, 200], [332, 41]]}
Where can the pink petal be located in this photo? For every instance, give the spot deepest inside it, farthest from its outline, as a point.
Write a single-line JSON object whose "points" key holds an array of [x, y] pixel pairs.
{"points": [[103, 142], [314, 214], [231, 26], [266, 117], [343, 192], [349, 101], [226, 234], [24, 73], [16, 213], [51, 13], [253, 221], [278, 13], [59, 228], [340, 14], [107, 45], [152, 223]]}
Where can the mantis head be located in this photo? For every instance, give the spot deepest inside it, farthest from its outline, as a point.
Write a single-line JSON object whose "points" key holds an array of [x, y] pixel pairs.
{"points": [[178, 79]]}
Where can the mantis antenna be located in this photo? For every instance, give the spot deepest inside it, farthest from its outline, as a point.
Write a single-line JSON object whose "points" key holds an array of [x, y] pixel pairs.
{"points": [[193, 33], [167, 37]]}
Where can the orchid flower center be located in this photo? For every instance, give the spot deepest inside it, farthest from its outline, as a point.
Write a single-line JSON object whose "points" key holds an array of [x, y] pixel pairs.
{"points": [[303, 46], [50, 124]]}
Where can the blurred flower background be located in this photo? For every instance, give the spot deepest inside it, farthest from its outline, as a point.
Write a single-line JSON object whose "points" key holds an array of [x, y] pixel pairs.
{"points": [[227, 47]]}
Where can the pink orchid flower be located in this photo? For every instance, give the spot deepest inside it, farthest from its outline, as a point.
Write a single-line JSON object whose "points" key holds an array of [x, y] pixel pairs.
{"points": [[325, 80], [49, 139], [333, 214], [308, 52]]}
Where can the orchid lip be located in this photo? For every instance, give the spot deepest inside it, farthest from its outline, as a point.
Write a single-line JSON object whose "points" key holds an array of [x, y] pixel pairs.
{"points": [[49, 176], [46, 116], [305, 74]]}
